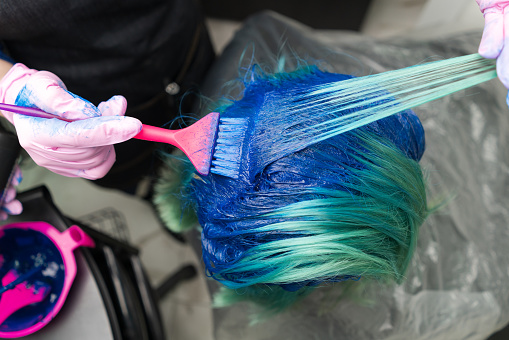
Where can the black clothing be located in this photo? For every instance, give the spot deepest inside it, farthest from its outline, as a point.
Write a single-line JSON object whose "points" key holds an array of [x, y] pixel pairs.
{"points": [[100, 48]]}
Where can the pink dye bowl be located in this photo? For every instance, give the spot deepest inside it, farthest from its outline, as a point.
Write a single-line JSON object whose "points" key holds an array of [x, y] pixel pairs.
{"points": [[42, 242]]}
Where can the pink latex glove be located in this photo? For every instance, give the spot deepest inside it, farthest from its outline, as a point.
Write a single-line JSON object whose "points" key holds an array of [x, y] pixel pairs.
{"points": [[11, 206], [495, 38], [83, 148]]}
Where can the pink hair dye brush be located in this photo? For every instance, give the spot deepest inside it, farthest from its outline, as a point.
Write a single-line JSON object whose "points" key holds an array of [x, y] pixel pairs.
{"points": [[212, 144]]}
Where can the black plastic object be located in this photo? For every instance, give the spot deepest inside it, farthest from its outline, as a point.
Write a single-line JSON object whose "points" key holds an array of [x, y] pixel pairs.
{"points": [[9, 153], [134, 302], [322, 14]]}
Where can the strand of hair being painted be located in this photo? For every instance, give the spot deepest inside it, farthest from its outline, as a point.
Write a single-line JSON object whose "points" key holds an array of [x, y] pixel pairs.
{"points": [[392, 91]]}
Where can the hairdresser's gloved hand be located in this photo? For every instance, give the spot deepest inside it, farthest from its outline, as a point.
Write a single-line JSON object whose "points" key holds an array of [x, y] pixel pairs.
{"points": [[495, 38], [11, 206], [82, 148]]}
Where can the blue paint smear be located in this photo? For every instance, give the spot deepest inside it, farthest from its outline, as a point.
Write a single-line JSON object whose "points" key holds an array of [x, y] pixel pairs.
{"points": [[228, 209], [29, 98], [22, 250], [58, 128]]}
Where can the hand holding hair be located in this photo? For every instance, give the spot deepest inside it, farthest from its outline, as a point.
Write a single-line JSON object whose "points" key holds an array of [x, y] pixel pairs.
{"points": [[495, 38], [83, 148]]}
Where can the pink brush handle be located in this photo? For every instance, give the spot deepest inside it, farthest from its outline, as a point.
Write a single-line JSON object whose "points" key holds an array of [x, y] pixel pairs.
{"points": [[156, 134]]}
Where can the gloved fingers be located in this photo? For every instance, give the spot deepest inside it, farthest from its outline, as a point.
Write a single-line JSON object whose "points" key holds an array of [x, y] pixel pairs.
{"points": [[98, 168], [76, 149], [10, 194], [492, 41], [503, 58], [92, 132], [71, 158], [115, 106], [14, 207], [11, 206], [47, 92], [17, 176], [102, 169]]}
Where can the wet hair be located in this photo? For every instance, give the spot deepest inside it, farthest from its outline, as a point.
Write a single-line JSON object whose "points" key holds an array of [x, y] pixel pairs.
{"points": [[304, 212]]}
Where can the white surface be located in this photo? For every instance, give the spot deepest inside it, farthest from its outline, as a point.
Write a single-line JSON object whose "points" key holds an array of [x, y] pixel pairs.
{"points": [[421, 18], [221, 32], [438, 12], [387, 18]]}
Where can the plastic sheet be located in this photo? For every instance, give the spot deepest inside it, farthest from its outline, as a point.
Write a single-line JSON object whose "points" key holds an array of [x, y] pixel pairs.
{"points": [[456, 286]]}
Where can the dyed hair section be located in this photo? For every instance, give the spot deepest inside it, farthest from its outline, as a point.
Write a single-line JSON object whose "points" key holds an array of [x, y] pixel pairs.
{"points": [[350, 209], [335, 209], [347, 104]]}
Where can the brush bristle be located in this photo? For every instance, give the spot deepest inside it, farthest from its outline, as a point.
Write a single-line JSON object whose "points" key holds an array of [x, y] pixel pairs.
{"points": [[228, 151]]}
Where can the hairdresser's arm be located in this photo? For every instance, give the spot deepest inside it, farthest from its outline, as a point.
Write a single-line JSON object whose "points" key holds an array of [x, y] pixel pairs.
{"points": [[495, 38], [82, 148]]}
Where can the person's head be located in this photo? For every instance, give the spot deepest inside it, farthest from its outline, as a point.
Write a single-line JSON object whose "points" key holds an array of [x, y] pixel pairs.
{"points": [[305, 213]]}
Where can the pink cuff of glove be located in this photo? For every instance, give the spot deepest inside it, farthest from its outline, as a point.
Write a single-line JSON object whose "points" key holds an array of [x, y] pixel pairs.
{"points": [[492, 6], [12, 83]]}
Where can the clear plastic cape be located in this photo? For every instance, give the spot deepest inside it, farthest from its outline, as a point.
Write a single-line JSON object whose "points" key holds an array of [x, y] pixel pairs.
{"points": [[456, 286]]}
